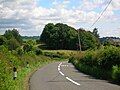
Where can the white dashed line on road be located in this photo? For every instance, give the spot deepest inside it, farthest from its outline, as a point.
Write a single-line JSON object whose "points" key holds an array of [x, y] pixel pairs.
{"points": [[69, 79], [61, 73], [72, 81]]}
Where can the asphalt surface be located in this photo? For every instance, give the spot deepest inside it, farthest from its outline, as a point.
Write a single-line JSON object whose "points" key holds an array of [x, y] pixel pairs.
{"points": [[63, 76]]}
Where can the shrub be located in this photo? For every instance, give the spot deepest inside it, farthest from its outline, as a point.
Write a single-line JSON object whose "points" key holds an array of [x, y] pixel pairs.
{"points": [[3, 40], [27, 47], [38, 51], [108, 57], [116, 73], [20, 51], [52, 55], [13, 44], [71, 59], [102, 63]]}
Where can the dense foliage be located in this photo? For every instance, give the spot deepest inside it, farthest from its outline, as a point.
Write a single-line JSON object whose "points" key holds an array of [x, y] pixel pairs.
{"points": [[11, 39], [95, 32], [62, 36], [18, 59], [25, 57], [103, 63], [59, 36], [88, 40], [9, 34]]}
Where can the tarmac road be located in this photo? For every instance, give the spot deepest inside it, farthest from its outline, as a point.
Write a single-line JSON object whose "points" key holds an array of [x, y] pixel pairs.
{"points": [[63, 76]]}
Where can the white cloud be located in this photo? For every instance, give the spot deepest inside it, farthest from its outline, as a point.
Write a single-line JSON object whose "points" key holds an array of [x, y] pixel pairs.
{"points": [[34, 17], [116, 4]]}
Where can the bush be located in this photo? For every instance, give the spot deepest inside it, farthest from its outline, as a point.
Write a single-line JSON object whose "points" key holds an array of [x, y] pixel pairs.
{"points": [[3, 49], [103, 58], [108, 57], [116, 73], [71, 59], [38, 51], [103, 63], [20, 51], [88, 59], [3, 40], [13, 44], [27, 47], [52, 55]]}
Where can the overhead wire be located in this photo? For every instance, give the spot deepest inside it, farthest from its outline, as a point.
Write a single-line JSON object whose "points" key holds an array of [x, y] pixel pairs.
{"points": [[101, 14]]}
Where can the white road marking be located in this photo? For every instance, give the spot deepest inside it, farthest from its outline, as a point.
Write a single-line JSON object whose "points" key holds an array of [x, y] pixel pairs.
{"points": [[64, 74], [64, 65], [72, 81], [58, 69], [58, 66], [61, 73]]}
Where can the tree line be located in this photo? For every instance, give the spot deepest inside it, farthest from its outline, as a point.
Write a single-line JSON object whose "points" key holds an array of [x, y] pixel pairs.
{"points": [[62, 36], [11, 39]]}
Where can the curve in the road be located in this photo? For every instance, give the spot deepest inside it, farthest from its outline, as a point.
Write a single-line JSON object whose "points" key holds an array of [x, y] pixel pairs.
{"points": [[63, 76], [69, 79]]}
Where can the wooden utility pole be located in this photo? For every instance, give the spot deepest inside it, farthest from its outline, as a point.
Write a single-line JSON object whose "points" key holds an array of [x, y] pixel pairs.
{"points": [[79, 40]]}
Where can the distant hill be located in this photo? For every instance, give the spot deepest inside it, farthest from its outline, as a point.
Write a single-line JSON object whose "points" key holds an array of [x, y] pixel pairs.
{"points": [[30, 37], [112, 40]]}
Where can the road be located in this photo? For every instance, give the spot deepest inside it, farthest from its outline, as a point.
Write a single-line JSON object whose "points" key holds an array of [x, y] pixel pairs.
{"points": [[63, 76]]}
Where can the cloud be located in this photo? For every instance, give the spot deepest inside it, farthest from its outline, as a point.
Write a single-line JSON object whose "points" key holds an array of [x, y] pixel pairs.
{"points": [[29, 17]]}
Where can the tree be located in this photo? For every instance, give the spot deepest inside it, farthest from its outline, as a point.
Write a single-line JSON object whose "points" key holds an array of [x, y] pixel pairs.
{"points": [[88, 40], [16, 35], [9, 34], [59, 36], [3, 40], [62, 36], [95, 32], [27, 47], [45, 36], [13, 44]]}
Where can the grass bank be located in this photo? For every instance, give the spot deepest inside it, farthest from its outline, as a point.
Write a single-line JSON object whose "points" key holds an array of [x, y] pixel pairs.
{"points": [[10, 59]]}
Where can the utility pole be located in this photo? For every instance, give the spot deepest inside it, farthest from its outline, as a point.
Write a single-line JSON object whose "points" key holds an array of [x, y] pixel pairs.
{"points": [[79, 40]]}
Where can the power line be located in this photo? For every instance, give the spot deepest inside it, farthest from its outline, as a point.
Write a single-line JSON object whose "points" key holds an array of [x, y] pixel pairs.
{"points": [[101, 14]]}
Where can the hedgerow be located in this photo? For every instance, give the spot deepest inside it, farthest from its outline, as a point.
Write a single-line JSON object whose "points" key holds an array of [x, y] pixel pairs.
{"points": [[102, 63]]}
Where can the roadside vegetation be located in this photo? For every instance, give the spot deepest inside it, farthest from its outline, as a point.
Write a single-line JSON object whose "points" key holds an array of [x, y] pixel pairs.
{"points": [[63, 37], [103, 63], [25, 56], [10, 59], [57, 42]]}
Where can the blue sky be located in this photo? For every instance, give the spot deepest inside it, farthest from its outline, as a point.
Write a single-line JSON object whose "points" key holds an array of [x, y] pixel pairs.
{"points": [[30, 16]]}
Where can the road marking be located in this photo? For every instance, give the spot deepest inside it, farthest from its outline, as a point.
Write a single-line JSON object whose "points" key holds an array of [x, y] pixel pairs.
{"points": [[61, 73], [58, 69], [64, 65], [72, 81], [69, 79]]}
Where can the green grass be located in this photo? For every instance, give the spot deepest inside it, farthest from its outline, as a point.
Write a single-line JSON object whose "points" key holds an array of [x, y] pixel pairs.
{"points": [[65, 53], [10, 59]]}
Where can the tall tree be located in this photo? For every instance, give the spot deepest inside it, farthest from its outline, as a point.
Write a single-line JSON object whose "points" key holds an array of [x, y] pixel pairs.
{"points": [[9, 34], [88, 40], [59, 36], [13, 44], [62, 36], [3, 40], [95, 32]]}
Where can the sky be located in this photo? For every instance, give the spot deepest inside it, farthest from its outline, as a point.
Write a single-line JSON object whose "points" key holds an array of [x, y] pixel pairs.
{"points": [[30, 16]]}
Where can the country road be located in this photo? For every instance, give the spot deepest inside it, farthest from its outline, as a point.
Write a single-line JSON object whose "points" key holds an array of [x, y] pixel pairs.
{"points": [[63, 76]]}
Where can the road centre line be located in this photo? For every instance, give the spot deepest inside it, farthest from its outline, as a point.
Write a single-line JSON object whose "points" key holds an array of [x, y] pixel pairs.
{"points": [[72, 81], [69, 79], [61, 73]]}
